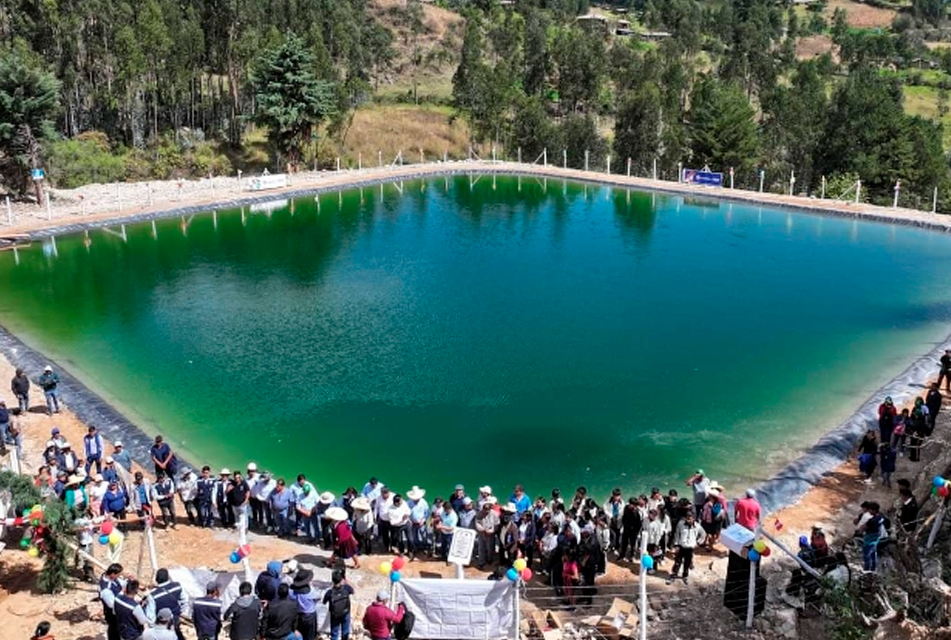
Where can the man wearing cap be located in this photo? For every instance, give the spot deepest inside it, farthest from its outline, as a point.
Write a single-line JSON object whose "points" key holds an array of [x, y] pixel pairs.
{"points": [[468, 514], [121, 456], [337, 599], [746, 512], [49, 382], [130, 617], [110, 586], [163, 458], [458, 495], [244, 614], [306, 598], [486, 526], [225, 514], [20, 386], [206, 613], [280, 616], [308, 522], [418, 516], [168, 595], [163, 629], [59, 485], [378, 618], [58, 440], [93, 448], [188, 492]]}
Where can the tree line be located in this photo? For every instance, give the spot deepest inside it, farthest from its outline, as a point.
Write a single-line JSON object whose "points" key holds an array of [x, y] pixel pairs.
{"points": [[724, 90]]}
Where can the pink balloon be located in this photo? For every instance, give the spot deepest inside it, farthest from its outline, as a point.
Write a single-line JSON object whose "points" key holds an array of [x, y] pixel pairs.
{"points": [[106, 527], [398, 563], [527, 574]]}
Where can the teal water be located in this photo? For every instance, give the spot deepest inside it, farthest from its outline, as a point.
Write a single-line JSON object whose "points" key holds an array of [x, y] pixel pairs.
{"points": [[512, 331]]}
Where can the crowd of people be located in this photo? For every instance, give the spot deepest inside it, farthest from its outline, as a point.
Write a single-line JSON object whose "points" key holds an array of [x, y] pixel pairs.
{"points": [[568, 540]]}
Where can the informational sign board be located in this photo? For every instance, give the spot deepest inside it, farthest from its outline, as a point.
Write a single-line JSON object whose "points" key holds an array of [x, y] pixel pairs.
{"points": [[263, 183], [706, 178], [463, 542], [37, 174], [736, 538]]}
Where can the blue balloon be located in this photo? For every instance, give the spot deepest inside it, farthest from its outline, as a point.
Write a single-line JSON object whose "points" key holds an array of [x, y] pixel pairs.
{"points": [[647, 562], [103, 539], [395, 576], [512, 574], [235, 558], [938, 481], [753, 555]]}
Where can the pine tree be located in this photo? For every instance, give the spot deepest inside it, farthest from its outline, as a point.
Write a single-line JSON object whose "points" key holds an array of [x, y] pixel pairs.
{"points": [[291, 101]]}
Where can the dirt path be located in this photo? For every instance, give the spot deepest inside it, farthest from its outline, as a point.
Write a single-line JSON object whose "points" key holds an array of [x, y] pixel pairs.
{"points": [[96, 205]]}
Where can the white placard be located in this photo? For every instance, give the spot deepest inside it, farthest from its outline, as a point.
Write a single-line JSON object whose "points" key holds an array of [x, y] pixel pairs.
{"points": [[263, 183], [463, 542], [736, 537]]}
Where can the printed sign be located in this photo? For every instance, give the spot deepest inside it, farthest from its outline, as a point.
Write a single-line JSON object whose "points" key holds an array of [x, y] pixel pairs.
{"points": [[263, 183], [707, 178], [37, 174], [463, 542]]}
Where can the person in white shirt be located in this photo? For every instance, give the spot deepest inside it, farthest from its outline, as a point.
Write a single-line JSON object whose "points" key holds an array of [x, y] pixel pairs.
{"points": [[398, 516], [688, 537], [382, 513], [363, 523], [484, 494], [97, 490], [307, 513], [188, 492], [261, 493]]}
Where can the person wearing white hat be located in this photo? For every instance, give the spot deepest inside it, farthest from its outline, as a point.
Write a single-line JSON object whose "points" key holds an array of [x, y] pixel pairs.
{"points": [[251, 477], [418, 517], [220, 493], [484, 493], [326, 501], [49, 382], [96, 491], [363, 523]]}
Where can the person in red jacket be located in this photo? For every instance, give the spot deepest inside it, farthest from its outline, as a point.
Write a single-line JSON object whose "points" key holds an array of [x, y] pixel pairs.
{"points": [[747, 511], [379, 617]]}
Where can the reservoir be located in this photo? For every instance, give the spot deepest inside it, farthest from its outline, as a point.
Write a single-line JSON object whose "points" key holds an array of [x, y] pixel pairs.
{"points": [[482, 330]]}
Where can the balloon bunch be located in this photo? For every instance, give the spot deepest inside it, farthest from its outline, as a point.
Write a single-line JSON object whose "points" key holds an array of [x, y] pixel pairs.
{"points": [[759, 550], [941, 488], [31, 541], [33, 515], [518, 570], [392, 569], [240, 553], [108, 534]]}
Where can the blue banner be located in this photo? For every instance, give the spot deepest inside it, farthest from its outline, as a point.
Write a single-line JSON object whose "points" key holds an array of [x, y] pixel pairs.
{"points": [[708, 178]]}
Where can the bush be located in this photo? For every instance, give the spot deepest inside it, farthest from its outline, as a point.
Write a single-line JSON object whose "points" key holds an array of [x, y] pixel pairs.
{"points": [[84, 159]]}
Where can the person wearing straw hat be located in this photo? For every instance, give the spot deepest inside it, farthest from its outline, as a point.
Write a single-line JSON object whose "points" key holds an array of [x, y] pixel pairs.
{"points": [[306, 598], [75, 494], [326, 501], [345, 544], [362, 524], [484, 493], [418, 517]]}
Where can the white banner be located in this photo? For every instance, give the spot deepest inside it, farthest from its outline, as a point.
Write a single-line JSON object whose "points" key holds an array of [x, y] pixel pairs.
{"points": [[262, 183], [461, 609]]}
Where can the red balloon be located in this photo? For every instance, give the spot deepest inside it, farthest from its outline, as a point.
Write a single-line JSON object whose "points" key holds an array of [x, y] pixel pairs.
{"points": [[765, 553], [943, 491], [106, 527], [527, 574], [398, 563]]}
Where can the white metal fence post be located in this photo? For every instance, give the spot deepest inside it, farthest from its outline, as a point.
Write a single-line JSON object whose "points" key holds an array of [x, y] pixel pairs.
{"points": [[10, 209], [643, 590], [762, 179], [628, 167], [609, 165], [897, 192], [934, 201], [654, 173], [564, 158], [858, 191], [585, 159]]}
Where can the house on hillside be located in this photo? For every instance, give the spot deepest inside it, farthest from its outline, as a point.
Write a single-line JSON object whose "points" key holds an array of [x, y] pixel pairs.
{"points": [[654, 35], [594, 23], [623, 28]]}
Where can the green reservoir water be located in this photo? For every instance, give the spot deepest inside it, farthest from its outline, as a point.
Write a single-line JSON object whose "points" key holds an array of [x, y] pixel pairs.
{"points": [[512, 331]]}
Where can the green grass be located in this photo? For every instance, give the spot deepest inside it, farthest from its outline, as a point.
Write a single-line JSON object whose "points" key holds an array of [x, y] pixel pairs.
{"points": [[923, 101]]}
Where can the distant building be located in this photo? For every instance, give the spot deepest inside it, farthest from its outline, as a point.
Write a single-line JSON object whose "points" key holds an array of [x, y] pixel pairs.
{"points": [[654, 35], [594, 22], [623, 28]]}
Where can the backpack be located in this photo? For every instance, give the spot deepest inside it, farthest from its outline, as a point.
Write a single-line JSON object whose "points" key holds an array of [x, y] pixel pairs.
{"points": [[339, 603], [405, 627]]}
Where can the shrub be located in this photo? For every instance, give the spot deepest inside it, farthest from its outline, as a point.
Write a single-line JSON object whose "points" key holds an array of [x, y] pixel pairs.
{"points": [[84, 159]]}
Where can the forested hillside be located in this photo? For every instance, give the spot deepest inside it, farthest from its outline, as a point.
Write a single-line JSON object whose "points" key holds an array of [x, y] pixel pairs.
{"points": [[809, 94]]}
